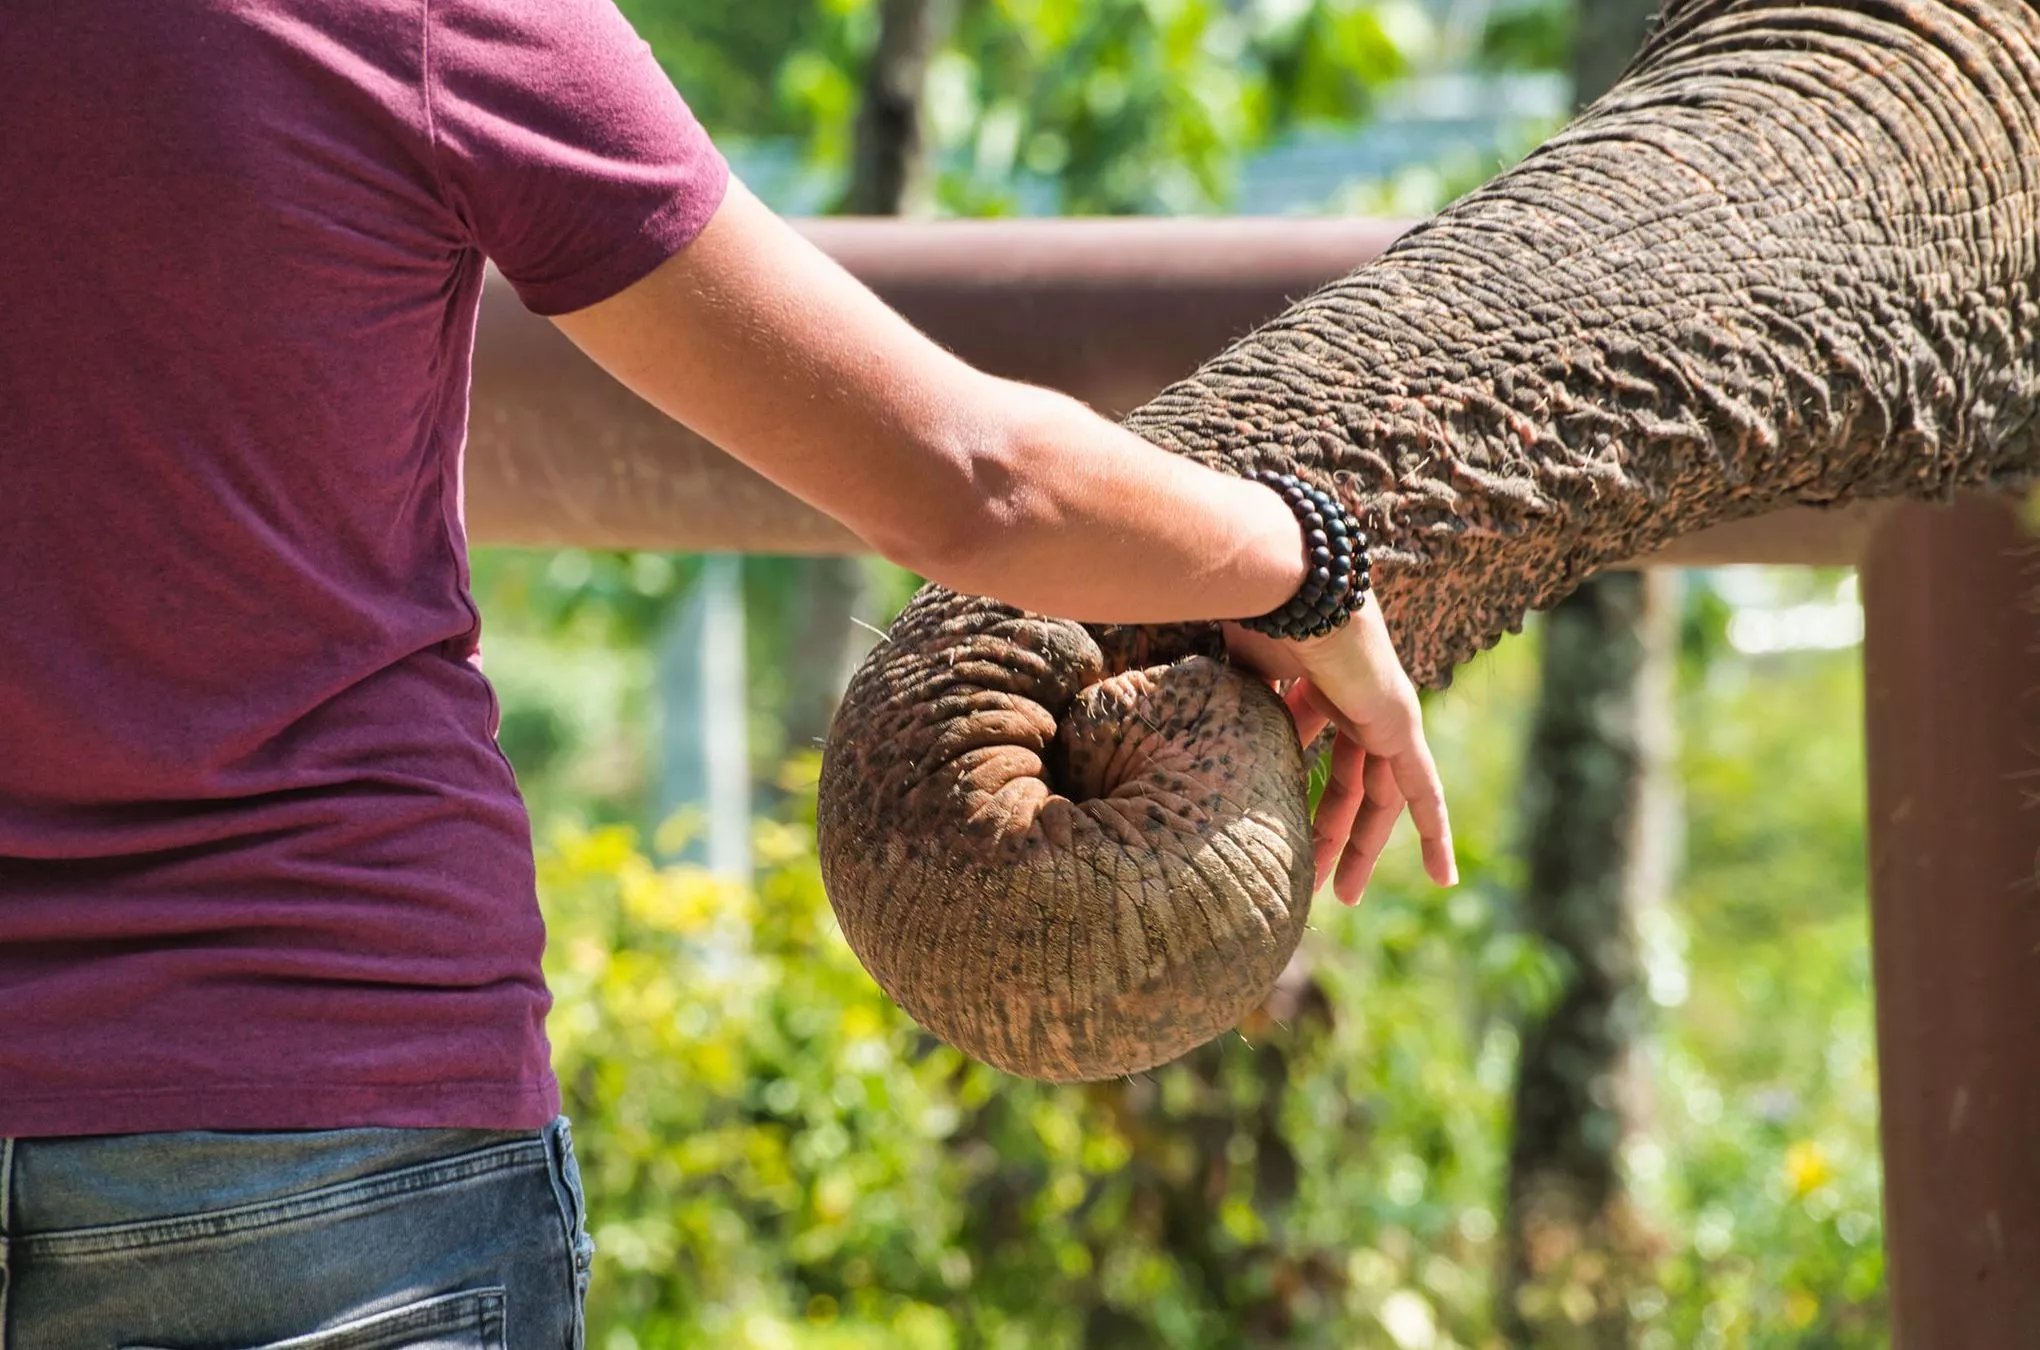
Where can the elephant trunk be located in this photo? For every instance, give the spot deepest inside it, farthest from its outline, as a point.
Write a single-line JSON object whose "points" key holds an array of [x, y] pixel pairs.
{"points": [[1791, 258]]}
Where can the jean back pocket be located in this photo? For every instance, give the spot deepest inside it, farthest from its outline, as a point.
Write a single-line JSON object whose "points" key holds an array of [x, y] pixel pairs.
{"points": [[472, 1320]]}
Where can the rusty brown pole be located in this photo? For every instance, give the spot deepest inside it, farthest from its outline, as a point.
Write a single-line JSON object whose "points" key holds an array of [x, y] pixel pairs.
{"points": [[1107, 310], [1952, 689]]}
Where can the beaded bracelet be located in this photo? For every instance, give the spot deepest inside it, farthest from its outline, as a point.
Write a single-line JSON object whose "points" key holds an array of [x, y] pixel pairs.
{"points": [[1337, 578]]}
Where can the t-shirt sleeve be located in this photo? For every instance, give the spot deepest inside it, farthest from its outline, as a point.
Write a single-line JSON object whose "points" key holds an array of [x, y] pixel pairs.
{"points": [[562, 148]]}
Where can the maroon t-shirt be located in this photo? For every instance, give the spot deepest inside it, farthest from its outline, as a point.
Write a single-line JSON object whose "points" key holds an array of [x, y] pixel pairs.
{"points": [[261, 862]]}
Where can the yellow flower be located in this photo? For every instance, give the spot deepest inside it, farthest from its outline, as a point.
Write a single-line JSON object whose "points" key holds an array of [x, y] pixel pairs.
{"points": [[1807, 1168]]}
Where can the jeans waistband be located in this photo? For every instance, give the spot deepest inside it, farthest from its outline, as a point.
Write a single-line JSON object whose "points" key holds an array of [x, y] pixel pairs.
{"points": [[97, 1182]]}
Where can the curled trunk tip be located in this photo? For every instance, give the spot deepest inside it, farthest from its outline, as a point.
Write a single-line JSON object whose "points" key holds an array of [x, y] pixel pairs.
{"points": [[1072, 853]]}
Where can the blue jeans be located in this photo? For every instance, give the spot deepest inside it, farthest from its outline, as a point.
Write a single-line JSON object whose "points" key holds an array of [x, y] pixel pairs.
{"points": [[330, 1240]]}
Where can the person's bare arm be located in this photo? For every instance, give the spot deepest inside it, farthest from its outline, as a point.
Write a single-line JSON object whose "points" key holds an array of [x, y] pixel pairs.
{"points": [[756, 339]]}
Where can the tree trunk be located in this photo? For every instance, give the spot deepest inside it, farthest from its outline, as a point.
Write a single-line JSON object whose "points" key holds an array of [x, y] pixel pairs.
{"points": [[1572, 1244], [1571, 1240], [889, 170], [888, 177], [1607, 34]]}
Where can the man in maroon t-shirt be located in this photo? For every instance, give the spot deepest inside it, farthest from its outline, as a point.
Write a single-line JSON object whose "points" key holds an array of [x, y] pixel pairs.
{"points": [[270, 997]]}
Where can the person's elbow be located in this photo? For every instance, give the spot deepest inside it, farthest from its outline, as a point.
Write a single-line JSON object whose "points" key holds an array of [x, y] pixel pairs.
{"points": [[974, 516]]}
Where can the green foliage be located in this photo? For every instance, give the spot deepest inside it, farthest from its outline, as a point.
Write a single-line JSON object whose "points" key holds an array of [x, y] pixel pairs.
{"points": [[778, 1158], [1144, 105], [1072, 106], [722, 57], [1765, 1139], [1528, 35], [575, 672], [1424, 189], [754, 1122]]}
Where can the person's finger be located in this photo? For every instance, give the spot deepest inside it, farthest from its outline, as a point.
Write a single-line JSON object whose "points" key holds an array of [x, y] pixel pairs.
{"points": [[1308, 709], [1382, 804], [1336, 808], [1396, 735], [1416, 775]]}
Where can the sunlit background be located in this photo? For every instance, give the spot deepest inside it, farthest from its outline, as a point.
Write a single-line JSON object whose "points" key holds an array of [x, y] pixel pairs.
{"points": [[777, 1158]]}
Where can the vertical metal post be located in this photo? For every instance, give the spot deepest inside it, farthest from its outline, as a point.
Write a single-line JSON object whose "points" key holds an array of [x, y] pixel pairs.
{"points": [[705, 759], [1952, 671]]}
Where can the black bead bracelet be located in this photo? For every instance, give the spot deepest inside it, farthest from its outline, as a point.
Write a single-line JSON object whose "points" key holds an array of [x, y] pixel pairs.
{"points": [[1336, 579]]}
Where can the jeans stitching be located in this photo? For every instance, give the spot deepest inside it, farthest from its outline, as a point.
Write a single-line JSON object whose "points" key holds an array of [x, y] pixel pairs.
{"points": [[125, 1237], [560, 1148]]}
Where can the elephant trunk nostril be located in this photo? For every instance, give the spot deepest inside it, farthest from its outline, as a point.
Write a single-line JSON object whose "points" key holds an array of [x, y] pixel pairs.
{"points": [[1127, 732], [1063, 776]]}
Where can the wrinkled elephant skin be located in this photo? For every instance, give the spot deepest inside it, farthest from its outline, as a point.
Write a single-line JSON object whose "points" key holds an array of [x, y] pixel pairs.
{"points": [[1789, 259]]}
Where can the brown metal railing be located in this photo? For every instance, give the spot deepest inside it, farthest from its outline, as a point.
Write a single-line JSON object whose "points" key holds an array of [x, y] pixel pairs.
{"points": [[1113, 310]]}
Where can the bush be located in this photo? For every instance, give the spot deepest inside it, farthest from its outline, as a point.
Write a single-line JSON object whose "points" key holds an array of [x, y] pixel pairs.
{"points": [[777, 1157]]}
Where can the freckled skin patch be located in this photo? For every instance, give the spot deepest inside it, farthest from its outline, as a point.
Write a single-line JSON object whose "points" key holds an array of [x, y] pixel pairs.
{"points": [[1749, 277], [1136, 838]]}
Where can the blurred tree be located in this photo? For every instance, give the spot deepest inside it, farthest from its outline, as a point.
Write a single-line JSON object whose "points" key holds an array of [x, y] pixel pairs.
{"points": [[1130, 106], [1576, 1247], [1531, 35], [1594, 831], [889, 172], [1606, 35], [724, 58]]}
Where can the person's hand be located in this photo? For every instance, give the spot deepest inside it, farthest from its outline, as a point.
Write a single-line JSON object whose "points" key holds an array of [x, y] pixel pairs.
{"points": [[1351, 679]]}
